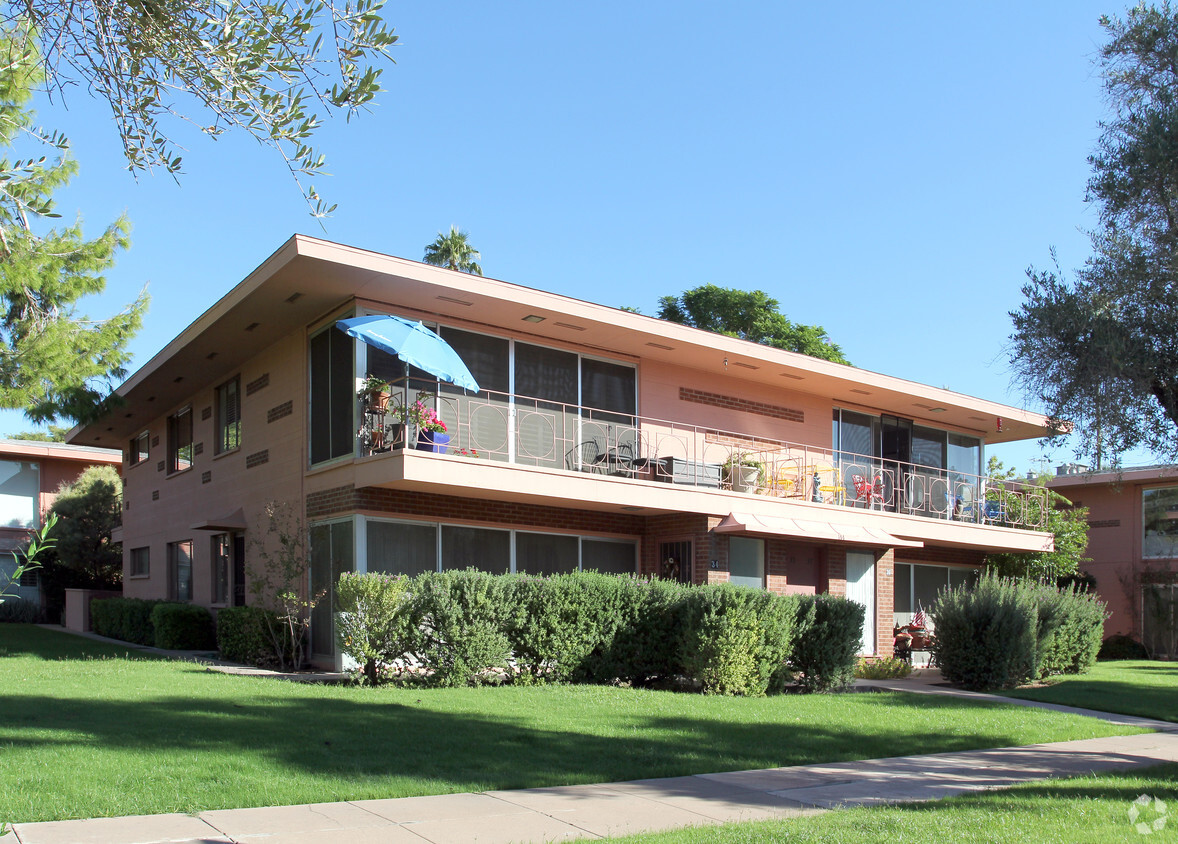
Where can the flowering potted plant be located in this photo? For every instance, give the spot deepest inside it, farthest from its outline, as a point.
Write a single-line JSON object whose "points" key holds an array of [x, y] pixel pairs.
{"points": [[744, 472], [375, 392], [431, 430]]}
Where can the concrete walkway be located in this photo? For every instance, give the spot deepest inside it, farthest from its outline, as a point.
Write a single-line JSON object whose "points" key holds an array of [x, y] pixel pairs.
{"points": [[596, 811]]}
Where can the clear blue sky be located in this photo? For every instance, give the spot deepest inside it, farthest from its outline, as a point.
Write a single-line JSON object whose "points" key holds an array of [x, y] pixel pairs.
{"points": [[887, 171]]}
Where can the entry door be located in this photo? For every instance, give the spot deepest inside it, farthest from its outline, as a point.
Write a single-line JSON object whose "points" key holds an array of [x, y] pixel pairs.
{"points": [[238, 570], [675, 561], [861, 589]]}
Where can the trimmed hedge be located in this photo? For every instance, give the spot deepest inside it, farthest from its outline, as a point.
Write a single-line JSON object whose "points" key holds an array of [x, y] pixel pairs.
{"points": [[128, 619], [243, 635], [19, 611], [183, 627], [1120, 646], [830, 631], [1004, 632]]}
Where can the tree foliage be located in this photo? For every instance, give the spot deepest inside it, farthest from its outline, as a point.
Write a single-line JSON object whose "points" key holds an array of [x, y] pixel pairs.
{"points": [[454, 252], [1100, 348], [51, 434], [1068, 523], [749, 315], [54, 360], [259, 67], [87, 511]]}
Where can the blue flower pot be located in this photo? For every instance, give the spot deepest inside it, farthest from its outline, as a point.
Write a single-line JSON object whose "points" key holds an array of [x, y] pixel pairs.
{"points": [[434, 441]]}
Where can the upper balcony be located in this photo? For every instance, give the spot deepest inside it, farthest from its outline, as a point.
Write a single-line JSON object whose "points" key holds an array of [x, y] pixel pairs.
{"points": [[523, 431]]}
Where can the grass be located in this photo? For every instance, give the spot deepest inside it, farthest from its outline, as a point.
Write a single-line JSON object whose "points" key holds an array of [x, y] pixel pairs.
{"points": [[86, 730], [1131, 687], [1083, 809]]}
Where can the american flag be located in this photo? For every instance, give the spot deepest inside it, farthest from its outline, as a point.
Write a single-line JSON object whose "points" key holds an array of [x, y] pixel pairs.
{"points": [[919, 619]]}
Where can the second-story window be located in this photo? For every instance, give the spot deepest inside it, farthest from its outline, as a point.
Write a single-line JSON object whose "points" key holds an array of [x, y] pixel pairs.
{"points": [[138, 450], [180, 440], [229, 415]]}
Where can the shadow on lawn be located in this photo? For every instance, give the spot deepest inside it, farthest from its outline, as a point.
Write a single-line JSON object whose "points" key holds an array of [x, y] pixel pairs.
{"points": [[27, 640], [1128, 698], [362, 740]]}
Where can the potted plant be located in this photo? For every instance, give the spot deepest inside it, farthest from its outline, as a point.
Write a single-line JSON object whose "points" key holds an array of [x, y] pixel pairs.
{"points": [[431, 430], [743, 472], [374, 392]]}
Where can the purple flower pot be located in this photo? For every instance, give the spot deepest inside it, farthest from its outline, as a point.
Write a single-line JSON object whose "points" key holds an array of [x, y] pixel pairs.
{"points": [[434, 441]]}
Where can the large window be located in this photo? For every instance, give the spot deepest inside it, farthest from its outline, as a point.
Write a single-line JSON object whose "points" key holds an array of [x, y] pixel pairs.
{"points": [[918, 586], [20, 492], [180, 569], [180, 440], [333, 395], [545, 553], [746, 561], [229, 415], [1160, 519], [476, 548], [333, 552]]}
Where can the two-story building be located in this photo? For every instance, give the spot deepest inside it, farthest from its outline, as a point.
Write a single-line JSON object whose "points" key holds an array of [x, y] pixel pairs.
{"points": [[599, 439], [31, 473], [1133, 546]]}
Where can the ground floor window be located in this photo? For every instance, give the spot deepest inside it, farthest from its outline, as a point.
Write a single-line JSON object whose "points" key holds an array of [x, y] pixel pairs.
{"points": [[221, 564], [333, 552], [410, 548], [180, 569], [918, 585], [746, 561], [1159, 619]]}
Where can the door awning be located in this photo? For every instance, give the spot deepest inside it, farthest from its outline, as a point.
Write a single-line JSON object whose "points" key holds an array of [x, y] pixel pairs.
{"points": [[229, 522], [813, 530]]}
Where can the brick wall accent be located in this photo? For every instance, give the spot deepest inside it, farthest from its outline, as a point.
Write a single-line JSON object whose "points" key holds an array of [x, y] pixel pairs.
{"points": [[1104, 523], [885, 601], [155, 442], [159, 467], [760, 408], [792, 566], [206, 413], [198, 448], [347, 499], [258, 383], [835, 571], [206, 477], [155, 495], [257, 458], [283, 410]]}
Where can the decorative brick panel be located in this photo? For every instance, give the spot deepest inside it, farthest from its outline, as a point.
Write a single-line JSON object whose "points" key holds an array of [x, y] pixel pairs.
{"points": [[205, 477], [283, 410], [155, 442], [159, 467], [155, 495], [198, 448], [257, 458], [759, 408], [1104, 523], [258, 383], [206, 413]]}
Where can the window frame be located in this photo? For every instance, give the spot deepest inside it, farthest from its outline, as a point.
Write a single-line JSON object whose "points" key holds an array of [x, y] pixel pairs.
{"points": [[225, 407], [137, 453], [175, 447], [146, 557], [174, 571]]}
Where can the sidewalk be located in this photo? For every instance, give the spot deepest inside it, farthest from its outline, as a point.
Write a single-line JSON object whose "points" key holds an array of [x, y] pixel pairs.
{"points": [[595, 811]]}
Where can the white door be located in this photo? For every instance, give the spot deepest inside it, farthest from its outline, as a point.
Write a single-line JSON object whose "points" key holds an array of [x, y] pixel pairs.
{"points": [[861, 589]]}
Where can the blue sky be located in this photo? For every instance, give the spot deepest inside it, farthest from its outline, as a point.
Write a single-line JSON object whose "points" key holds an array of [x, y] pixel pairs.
{"points": [[887, 171]]}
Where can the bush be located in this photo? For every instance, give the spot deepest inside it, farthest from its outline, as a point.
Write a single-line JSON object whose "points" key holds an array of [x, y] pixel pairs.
{"points": [[128, 619], [369, 623], [884, 668], [454, 622], [1069, 629], [736, 640], [647, 643], [19, 611], [987, 635], [1120, 646], [183, 627], [830, 632], [243, 635]]}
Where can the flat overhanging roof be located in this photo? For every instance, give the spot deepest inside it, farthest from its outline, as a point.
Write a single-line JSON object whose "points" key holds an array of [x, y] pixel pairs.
{"points": [[308, 279]]}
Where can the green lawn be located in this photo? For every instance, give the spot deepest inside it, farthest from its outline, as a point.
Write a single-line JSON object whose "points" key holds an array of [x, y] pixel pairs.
{"points": [[1132, 687], [86, 731], [1085, 809]]}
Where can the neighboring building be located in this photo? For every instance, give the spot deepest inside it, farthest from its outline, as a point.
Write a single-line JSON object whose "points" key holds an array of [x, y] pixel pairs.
{"points": [[1133, 543], [604, 439], [30, 474]]}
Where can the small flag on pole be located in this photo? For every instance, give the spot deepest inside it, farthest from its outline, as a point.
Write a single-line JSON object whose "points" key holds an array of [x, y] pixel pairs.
{"points": [[919, 620]]}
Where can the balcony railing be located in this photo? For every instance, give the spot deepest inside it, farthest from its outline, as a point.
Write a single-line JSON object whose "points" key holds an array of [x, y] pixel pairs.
{"points": [[534, 432]]}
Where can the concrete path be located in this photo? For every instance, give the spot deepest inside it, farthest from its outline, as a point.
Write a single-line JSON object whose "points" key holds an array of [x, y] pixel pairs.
{"points": [[597, 811]]}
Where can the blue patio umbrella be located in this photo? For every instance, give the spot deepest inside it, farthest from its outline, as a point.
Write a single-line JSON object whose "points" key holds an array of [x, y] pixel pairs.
{"points": [[413, 343]]}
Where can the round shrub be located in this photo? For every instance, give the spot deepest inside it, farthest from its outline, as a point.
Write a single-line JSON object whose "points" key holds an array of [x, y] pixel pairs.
{"points": [[830, 633], [368, 622], [1120, 646], [987, 634]]}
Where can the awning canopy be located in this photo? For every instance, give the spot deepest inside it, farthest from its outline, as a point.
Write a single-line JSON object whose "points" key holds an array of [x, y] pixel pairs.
{"points": [[814, 531], [229, 522]]}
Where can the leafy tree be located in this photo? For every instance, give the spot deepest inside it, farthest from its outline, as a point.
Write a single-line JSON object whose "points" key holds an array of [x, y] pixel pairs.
{"points": [[1100, 349], [51, 434], [87, 511], [256, 66], [454, 252], [749, 315], [1068, 523], [54, 361]]}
